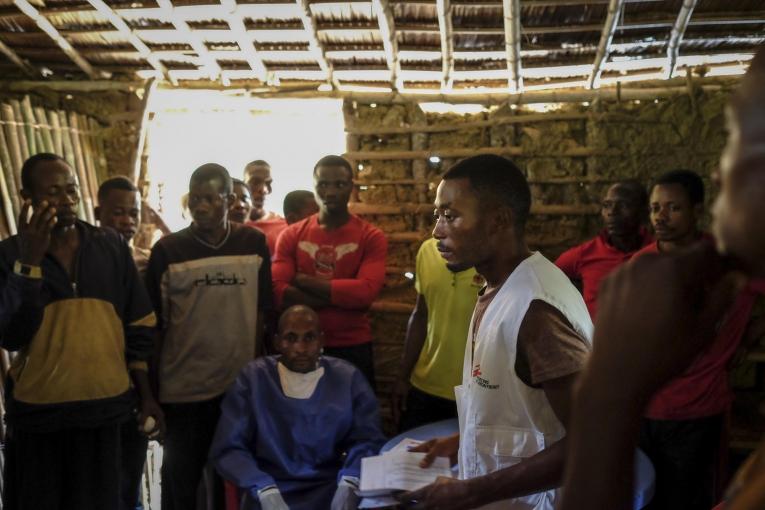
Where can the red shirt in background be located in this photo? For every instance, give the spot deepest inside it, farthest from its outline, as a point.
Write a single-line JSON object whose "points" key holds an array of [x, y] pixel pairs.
{"points": [[703, 389], [352, 257], [592, 261], [271, 225]]}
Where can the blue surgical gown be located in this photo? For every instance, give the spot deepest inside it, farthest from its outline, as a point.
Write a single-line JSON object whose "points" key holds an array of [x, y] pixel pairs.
{"points": [[303, 446]]}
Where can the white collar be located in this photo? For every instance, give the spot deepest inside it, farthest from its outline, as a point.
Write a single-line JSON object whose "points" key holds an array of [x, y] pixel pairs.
{"points": [[297, 384]]}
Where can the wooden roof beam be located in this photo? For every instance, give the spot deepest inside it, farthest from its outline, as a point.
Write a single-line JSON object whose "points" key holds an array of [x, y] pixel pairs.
{"points": [[314, 45], [678, 31], [384, 13], [607, 35], [511, 11], [246, 43], [46, 26], [444, 10], [25, 67], [210, 65], [123, 28]]}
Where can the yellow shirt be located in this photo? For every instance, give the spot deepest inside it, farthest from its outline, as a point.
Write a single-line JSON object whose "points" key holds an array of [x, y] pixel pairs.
{"points": [[450, 298]]}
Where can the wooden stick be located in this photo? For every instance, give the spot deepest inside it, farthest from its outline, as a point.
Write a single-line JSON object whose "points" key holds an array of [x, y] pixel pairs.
{"points": [[461, 153], [14, 147], [19, 124], [66, 139], [58, 144], [10, 193], [446, 128], [33, 136], [90, 166], [12, 205], [70, 155], [45, 129], [81, 169]]}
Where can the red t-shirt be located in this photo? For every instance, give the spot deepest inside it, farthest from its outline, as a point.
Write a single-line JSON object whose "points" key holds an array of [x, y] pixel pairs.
{"points": [[592, 261], [352, 257], [271, 226], [703, 390]]}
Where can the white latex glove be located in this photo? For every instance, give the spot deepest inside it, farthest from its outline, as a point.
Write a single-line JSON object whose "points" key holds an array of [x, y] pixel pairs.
{"points": [[271, 499], [345, 497]]}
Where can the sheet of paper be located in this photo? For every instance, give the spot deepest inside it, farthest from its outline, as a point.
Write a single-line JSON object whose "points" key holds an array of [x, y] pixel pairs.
{"points": [[399, 471]]}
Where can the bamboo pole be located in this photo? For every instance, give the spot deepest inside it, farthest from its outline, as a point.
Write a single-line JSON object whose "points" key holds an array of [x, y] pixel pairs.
{"points": [[466, 152], [71, 158], [29, 125], [45, 129], [12, 205], [19, 125], [79, 158], [446, 128], [66, 139], [7, 210], [90, 164], [14, 146], [58, 144]]}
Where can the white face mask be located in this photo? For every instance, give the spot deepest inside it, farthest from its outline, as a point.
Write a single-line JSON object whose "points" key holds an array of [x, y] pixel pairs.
{"points": [[296, 384]]}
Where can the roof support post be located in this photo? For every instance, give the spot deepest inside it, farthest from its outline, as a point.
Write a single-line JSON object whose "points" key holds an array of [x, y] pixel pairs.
{"points": [[601, 56], [678, 31], [511, 10]]}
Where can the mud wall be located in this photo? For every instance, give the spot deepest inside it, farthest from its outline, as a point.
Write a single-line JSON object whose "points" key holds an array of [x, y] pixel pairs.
{"points": [[570, 156]]}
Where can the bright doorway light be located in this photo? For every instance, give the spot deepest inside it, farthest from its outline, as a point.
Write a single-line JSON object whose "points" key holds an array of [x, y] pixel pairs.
{"points": [[191, 128]]}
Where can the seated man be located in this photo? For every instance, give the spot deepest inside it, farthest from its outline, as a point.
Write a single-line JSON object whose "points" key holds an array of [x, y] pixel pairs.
{"points": [[294, 427]]}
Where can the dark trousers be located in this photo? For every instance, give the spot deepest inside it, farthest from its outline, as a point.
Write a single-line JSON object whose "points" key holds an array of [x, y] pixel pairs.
{"points": [[190, 430], [423, 408], [72, 469], [685, 455], [361, 356], [134, 446]]}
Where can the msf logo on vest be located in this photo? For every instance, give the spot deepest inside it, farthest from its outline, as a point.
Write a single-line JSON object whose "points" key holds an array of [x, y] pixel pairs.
{"points": [[480, 381]]}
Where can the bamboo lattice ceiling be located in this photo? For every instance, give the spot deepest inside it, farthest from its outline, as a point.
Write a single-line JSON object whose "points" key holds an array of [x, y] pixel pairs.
{"points": [[439, 45]]}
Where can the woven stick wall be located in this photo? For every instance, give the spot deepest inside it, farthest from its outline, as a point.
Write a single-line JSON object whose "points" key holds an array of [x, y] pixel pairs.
{"points": [[569, 156], [27, 130]]}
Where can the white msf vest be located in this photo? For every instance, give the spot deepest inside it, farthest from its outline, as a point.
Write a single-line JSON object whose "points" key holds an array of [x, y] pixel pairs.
{"points": [[502, 420]]}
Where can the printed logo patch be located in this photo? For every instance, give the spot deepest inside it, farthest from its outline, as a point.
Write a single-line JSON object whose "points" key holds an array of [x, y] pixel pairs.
{"points": [[480, 381], [220, 278], [326, 256]]}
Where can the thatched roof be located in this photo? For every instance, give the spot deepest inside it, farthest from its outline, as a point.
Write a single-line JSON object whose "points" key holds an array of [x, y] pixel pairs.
{"points": [[442, 45]]}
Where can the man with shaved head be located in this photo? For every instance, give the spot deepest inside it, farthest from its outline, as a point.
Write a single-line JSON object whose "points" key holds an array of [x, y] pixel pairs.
{"points": [[624, 210], [295, 426], [673, 314]]}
